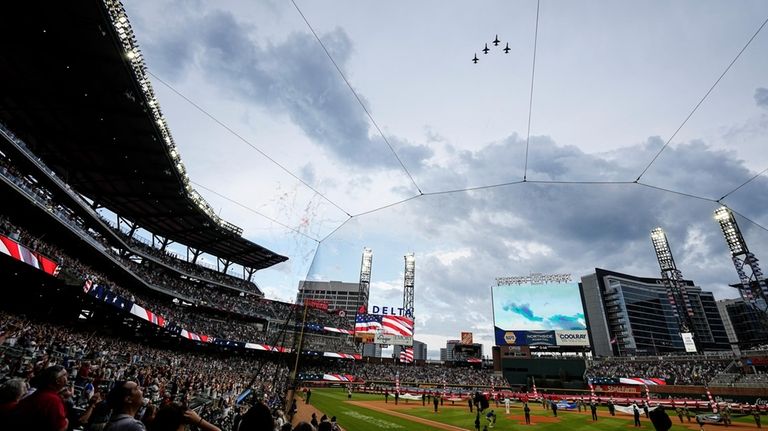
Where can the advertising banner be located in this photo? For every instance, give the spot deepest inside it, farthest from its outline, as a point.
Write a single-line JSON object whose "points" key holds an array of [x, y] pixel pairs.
{"points": [[525, 338], [397, 340], [466, 338], [690, 346], [314, 303], [28, 256], [572, 338], [620, 389]]}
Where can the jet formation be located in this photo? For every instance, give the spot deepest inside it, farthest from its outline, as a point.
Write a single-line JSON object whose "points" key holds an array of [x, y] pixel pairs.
{"points": [[486, 50]]}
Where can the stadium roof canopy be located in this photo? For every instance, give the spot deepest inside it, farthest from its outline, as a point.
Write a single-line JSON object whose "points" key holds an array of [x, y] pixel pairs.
{"points": [[74, 88]]}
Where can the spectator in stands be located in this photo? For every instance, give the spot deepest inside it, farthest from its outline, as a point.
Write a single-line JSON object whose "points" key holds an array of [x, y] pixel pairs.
{"points": [[280, 419], [10, 394], [125, 399], [257, 418], [334, 425], [175, 417], [44, 409]]}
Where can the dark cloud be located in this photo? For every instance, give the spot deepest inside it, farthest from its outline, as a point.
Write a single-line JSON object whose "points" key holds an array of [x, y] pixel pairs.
{"points": [[293, 77], [563, 228], [761, 97], [576, 227]]}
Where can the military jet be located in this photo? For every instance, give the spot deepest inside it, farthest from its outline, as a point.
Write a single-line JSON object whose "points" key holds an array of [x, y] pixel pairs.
{"points": [[485, 50], [507, 49], [496, 42], [475, 60]]}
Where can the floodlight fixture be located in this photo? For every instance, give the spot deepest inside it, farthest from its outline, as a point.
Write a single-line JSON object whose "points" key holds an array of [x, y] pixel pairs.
{"points": [[119, 20], [731, 231], [663, 252], [409, 277], [366, 265]]}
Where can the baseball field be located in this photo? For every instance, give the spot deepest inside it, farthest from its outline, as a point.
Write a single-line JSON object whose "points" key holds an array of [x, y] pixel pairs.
{"points": [[369, 412]]}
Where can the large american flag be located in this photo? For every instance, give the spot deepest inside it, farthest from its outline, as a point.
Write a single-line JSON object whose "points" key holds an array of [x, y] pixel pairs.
{"points": [[406, 355], [388, 324]]}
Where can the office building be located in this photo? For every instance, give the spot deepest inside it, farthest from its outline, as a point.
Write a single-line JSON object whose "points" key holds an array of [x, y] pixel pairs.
{"points": [[748, 326], [338, 295], [629, 315]]}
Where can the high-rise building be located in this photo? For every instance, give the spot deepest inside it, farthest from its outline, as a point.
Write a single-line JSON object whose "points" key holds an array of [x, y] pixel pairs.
{"points": [[372, 350], [747, 324], [338, 294], [630, 315], [419, 350], [450, 345], [443, 354], [722, 307]]}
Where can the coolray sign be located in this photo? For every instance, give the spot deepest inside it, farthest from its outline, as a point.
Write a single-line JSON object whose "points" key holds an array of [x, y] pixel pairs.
{"points": [[572, 338], [397, 311], [398, 340]]}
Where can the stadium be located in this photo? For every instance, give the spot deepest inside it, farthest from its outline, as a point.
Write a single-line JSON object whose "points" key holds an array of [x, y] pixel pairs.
{"points": [[130, 302]]}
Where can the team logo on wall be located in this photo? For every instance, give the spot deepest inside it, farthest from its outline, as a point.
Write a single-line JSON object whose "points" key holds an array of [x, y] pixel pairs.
{"points": [[510, 337]]}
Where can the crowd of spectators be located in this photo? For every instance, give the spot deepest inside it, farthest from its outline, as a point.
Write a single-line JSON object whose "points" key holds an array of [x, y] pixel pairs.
{"points": [[209, 381], [192, 318], [94, 363], [194, 269], [674, 370], [224, 299], [410, 374]]}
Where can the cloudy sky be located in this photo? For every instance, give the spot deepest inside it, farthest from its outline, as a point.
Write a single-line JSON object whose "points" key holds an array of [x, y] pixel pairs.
{"points": [[614, 80]]}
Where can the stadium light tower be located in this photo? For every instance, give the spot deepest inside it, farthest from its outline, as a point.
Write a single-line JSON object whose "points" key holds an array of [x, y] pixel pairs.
{"points": [[753, 288], [673, 281], [365, 277], [408, 283]]}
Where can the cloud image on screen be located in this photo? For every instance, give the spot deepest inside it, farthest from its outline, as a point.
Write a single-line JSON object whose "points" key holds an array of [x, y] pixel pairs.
{"points": [[554, 306]]}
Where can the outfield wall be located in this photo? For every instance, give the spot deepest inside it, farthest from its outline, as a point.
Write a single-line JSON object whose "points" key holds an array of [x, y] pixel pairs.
{"points": [[562, 373], [725, 392]]}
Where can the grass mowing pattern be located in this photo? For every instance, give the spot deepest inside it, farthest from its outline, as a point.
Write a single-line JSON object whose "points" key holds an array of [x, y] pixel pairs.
{"points": [[333, 402]]}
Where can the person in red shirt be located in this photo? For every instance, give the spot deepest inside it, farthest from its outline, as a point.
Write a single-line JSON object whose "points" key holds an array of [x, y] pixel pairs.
{"points": [[44, 409], [10, 394]]}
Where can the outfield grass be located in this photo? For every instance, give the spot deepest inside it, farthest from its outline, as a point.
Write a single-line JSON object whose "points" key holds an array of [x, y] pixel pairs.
{"points": [[333, 402]]}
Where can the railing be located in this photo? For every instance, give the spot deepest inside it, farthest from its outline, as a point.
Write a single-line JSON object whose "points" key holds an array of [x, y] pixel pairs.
{"points": [[19, 144]]}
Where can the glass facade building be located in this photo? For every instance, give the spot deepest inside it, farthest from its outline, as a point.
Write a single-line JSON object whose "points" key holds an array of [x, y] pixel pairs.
{"points": [[629, 315], [338, 294], [749, 326]]}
